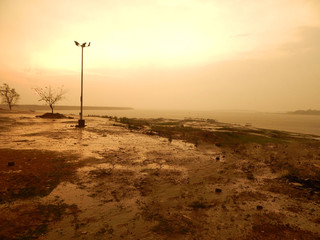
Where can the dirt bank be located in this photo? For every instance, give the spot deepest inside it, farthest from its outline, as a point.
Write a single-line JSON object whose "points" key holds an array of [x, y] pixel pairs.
{"points": [[155, 179]]}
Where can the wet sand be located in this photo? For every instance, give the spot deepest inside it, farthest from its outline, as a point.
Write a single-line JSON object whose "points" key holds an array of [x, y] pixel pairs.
{"points": [[113, 181]]}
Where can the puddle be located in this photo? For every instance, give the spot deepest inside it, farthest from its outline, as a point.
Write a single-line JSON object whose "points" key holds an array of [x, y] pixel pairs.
{"points": [[57, 136], [11, 171], [84, 171], [72, 194]]}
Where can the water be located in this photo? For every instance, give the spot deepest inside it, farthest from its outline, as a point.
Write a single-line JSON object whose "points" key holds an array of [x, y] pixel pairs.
{"points": [[286, 122]]}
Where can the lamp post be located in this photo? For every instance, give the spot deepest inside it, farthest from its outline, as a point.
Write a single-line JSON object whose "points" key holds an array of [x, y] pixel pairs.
{"points": [[81, 122]]}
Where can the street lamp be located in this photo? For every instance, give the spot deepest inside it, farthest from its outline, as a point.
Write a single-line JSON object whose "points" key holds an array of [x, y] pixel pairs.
{"points": [[81, 122]]}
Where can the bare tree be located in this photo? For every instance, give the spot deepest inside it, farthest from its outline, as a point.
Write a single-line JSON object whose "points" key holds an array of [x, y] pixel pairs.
{"points": [[9, 95], [49, 96]]}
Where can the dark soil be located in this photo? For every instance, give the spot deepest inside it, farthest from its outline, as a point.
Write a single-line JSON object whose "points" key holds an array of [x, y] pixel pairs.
{"points": [[34, 173], [54, 116], [30, 221]]}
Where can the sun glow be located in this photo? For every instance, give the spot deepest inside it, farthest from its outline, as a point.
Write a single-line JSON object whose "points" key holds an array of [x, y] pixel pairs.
{"points": [[155, 43], [163, 33]]}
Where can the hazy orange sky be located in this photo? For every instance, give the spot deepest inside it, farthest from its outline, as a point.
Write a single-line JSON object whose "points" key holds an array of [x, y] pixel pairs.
{"points": [[168, 54]]}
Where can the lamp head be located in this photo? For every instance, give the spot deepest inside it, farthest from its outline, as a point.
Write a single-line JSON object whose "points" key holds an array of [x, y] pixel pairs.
{"points": [[83, 44]]}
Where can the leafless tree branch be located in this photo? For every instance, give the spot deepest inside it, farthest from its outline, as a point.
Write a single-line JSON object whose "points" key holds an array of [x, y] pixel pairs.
{"points": [[49, 96], [9, 95]]}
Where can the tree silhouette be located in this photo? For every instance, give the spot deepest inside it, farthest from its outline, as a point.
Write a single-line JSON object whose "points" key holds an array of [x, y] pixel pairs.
{"points": [[9, 95], [49, 96]]}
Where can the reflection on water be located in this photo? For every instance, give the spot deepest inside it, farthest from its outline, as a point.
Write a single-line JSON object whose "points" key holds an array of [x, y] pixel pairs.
{"points": [[141, 168]]}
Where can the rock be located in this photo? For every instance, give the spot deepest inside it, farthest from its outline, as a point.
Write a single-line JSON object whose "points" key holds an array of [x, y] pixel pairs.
{"points": [[187, 217], [218, 158], [218, 190], [151, 133], [10, 164], [259, 207], [316, 165], [297, 184]]}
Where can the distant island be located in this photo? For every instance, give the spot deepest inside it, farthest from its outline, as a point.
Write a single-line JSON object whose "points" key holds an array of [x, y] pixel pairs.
{"points": [[305, 112], [62, 107]]}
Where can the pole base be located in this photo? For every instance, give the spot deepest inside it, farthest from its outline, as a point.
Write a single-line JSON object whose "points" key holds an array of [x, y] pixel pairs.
{"points": [[81, 123]]}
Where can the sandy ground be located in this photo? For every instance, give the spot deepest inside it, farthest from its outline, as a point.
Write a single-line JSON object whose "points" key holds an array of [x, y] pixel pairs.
{"points": [[109, 182]]}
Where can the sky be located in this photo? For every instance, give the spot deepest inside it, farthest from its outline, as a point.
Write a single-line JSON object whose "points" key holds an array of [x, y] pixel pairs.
{"points": [[165, 54]]}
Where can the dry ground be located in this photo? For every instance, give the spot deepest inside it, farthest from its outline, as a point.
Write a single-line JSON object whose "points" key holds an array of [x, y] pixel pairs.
{"points": [[133, 180]]}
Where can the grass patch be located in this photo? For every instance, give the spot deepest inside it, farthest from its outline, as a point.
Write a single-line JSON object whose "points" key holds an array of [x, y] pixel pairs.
{"points": [[243, 137], [223, 137], [311, 184], [200, 205], [173, 123], [30, 221], [173, 225], [35, 233], [134, 123], [101, 173]]}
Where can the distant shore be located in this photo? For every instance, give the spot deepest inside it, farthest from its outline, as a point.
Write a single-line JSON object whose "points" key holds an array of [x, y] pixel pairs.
{"points": [[305, 112], [64, 107]]}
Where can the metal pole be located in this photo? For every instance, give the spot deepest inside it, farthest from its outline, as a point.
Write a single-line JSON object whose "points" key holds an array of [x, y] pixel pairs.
{"points": [[81, 121], [81, 98]]}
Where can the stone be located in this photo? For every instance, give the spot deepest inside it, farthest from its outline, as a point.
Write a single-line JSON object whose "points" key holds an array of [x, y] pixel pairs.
{"points": [[259, 207], [297, 184]]}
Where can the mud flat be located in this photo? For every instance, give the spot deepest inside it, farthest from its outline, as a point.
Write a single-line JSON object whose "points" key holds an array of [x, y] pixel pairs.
{"points": [[155, 179]]}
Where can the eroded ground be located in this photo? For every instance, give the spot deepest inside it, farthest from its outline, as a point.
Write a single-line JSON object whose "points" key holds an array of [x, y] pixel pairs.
{"points": [[135, 180]]}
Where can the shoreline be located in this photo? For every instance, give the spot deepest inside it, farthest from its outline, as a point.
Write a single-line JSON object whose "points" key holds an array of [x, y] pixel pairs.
{"points": [[31, 107], [155, 179], [304, 124]]}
